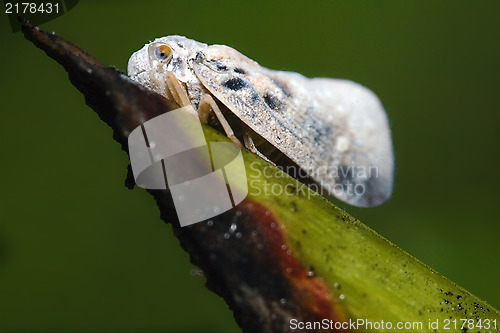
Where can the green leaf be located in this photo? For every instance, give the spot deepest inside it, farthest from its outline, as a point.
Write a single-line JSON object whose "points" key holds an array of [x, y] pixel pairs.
{"points": [[371, 278]]}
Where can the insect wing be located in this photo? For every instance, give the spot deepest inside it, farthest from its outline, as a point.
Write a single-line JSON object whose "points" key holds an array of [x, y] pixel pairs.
{"points": [[336, 130]]}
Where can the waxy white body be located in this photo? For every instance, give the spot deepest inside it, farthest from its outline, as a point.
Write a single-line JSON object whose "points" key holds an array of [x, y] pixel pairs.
{"points": [[336, 130]]}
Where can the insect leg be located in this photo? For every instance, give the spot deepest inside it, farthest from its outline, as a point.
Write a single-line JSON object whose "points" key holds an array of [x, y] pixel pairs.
{"points": [[207, 103], [175, 89], [251, 146]]}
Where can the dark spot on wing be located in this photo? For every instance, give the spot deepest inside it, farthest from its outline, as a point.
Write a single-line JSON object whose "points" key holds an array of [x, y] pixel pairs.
{"points": [[346, 175], [239, 70], [282, 86], [220, 66], [254, 96], [321, 132], [373, 192], [176, 63], [235, 83], [200, 56], [272, 101]]}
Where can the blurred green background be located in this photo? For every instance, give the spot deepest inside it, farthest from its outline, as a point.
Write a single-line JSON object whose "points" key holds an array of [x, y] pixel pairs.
{"points": [[80, 252]]}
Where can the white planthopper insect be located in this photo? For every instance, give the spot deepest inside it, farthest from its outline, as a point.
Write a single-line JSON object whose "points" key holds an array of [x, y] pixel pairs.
{"points": [[335, 130]]}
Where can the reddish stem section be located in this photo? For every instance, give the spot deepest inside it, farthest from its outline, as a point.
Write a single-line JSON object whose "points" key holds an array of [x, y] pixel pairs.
{"points": [[242, 252]]}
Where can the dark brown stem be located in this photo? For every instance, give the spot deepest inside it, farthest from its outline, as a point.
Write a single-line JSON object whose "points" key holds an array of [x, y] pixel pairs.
{"points": [[263, 287]]}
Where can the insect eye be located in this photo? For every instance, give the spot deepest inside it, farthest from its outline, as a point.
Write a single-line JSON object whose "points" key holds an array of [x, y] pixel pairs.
{"points": [[163, 52]]}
